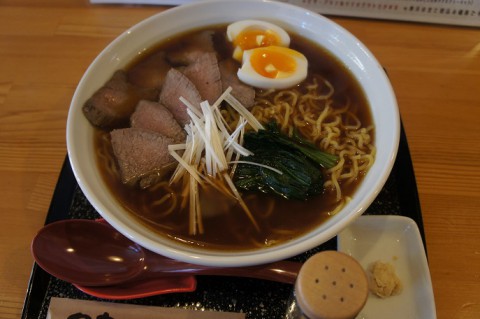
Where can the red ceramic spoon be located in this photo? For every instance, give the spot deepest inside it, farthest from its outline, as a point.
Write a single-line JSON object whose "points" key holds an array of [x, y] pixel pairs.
{"points": [[88, 253], [143, 288]]}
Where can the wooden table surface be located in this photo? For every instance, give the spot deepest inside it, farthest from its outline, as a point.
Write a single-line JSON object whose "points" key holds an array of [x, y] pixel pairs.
{"points": [[46, 45]]}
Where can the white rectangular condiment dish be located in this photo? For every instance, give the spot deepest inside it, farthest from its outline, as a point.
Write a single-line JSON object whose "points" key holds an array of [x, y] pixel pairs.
{"points": [[395, 240]]}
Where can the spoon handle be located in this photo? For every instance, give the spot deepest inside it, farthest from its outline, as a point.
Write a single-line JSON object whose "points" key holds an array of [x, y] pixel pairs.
{"points": [[280, 271]]}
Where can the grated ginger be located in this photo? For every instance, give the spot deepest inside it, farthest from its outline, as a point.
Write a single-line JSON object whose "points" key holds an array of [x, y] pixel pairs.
{"points": [[383, 280]]}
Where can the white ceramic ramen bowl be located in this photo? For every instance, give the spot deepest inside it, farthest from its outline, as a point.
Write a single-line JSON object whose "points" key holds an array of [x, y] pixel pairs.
{"points": [[319, 29]]}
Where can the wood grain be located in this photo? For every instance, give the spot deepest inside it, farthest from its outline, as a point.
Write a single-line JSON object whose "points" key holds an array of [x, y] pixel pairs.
{"points": [[46, 45]]}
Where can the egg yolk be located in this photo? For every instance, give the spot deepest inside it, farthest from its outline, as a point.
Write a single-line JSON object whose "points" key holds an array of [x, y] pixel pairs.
{"points": [[254, 38], [273, 62]]}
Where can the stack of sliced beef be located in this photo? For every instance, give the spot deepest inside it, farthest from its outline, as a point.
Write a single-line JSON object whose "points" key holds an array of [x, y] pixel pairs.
{"points": [[142, 109]]}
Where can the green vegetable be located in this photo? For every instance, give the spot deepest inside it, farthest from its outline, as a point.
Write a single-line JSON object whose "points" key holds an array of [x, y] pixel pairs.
{"points": [[299, 161]]}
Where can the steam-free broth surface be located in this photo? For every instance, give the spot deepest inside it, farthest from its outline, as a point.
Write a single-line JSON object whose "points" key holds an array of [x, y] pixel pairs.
{"points": [[226, 227]]}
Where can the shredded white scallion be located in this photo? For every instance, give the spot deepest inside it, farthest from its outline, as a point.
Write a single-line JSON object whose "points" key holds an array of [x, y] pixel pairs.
{"points": [[208, 151], [257, 164], [242, 110], [189, 168], [190, 106], [232, 140]]}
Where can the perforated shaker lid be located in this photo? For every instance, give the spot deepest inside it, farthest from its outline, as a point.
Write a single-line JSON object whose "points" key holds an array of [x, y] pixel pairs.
{"points": [[331, 285]]}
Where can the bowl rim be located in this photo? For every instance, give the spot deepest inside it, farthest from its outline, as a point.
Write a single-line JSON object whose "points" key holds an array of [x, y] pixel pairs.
{"points": [[238, 258]]}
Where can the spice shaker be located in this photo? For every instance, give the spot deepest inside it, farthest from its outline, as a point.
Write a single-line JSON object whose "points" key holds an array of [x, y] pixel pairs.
{"points": [[330, 285]]}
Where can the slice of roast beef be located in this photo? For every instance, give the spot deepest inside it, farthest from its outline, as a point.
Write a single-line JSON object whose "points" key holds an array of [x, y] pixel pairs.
{"points": [[156, 117], [112, 104], [241, 91], [188, 51], [150, 72], [141, 154], [205, 75], [177, 85]]}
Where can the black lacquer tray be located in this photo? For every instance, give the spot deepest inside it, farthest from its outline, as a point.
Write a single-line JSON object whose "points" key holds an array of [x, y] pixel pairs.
{"points": [[255, 298]]}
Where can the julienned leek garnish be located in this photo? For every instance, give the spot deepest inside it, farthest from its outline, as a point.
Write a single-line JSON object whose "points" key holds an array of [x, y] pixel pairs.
{"points": [[264, 160], [207, 153]]}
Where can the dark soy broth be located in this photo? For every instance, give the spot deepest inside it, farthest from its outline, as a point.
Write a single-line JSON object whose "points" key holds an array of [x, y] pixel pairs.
{"points": [[225, 223]]}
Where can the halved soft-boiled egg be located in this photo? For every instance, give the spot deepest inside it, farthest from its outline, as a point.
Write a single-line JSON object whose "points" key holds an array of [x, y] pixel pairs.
{"points": [[250, 34], [273, 67]]}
